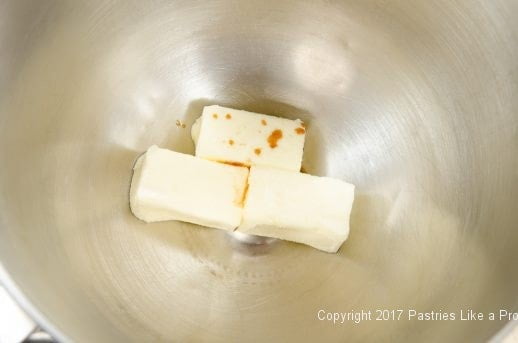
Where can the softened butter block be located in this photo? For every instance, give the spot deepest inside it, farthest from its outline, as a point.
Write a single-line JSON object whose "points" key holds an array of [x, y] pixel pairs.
{"points": [[246, 138], [168, 185], [297, 207]]}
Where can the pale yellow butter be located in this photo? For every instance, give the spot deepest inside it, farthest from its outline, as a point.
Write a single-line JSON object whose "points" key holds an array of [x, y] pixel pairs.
{"points": [[246, 138], [297, 207], [168, 185]]}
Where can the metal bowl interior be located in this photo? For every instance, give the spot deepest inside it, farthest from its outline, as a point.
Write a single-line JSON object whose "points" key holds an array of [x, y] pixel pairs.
{"points": [[413, 101]]}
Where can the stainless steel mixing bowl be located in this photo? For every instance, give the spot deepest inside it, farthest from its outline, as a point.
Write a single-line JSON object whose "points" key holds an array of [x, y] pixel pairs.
{"points": [[415, 102]]}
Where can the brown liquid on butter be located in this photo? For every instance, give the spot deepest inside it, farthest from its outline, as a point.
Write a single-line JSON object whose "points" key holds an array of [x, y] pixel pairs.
{"points": [[235, 164], [274, 138]]}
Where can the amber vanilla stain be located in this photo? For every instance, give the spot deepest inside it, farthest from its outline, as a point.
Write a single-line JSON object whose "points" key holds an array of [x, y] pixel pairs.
{"points": [[274, 138], [231, 141], [215, 116], [241, 202], [228, 116], [300, 130], [263, 122], [257, 151], [235, 164]]}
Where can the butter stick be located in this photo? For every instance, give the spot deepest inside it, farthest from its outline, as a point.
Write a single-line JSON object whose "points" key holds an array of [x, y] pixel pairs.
{"points": [[297, 207], [168, 185], [245, 138]]}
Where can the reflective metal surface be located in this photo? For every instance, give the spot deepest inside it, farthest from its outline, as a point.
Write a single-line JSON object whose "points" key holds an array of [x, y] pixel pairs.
{"points": [[415, 102]]}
